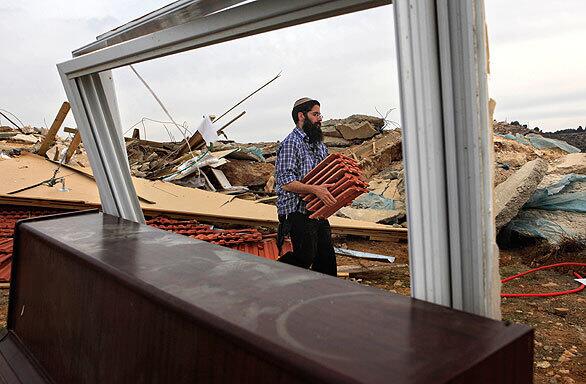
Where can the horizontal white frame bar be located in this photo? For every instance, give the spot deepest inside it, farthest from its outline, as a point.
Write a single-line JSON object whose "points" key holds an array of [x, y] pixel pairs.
{"points": [[245, 20], [170, 15]]}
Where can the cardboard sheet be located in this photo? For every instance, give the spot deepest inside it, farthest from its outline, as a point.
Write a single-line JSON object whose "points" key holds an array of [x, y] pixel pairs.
{"points": [[157, 197]]}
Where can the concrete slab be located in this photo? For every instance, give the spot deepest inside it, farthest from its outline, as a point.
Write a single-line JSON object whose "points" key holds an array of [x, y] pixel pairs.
{"points": [[381, 216], [514, 192], [571, 163], [330, 130], [363, 130], [331, 141]]}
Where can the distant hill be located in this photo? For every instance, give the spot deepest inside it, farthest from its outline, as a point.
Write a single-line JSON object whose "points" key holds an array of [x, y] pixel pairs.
{"points": [[575, 137]]}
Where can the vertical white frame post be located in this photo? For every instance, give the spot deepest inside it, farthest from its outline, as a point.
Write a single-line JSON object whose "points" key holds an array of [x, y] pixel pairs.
{"points": [[448, 153], [94, 107]]}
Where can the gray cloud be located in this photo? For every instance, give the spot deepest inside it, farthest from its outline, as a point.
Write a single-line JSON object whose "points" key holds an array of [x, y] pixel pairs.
{"points": [[347, 62]]}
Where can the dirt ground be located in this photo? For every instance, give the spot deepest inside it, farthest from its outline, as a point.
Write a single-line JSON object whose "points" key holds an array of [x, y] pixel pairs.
{"points": [[559, 322]]}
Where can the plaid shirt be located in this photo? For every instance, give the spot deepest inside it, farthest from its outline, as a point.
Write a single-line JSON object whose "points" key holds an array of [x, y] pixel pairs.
{"points": [[295, 158]]}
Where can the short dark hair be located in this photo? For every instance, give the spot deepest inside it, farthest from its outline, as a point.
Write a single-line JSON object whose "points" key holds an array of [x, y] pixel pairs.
{"points": [[305, 107]]}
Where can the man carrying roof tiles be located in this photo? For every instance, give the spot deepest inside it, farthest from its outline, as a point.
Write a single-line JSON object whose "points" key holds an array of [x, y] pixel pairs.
{"points": [[301, 151]]}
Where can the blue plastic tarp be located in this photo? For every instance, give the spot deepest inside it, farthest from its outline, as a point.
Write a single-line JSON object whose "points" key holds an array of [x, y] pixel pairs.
{"points": [[541, 142], [553, 213], [371, 200], [531, 226], [556, 198]]}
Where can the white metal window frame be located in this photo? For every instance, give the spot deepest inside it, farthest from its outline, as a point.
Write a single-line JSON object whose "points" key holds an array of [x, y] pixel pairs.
{"points": [[446, 140]]}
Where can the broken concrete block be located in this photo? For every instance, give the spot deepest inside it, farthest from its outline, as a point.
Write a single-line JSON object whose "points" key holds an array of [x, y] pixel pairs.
{"points": [[513, 193], [381, 216], [363, 130]]}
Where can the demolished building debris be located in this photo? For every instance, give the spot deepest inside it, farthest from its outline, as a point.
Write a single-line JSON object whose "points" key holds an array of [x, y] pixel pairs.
{"points": [[246, 170]]}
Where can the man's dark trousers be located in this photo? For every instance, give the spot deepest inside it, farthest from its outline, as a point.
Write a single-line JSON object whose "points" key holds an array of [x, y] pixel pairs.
{"points": [[312, 244]]}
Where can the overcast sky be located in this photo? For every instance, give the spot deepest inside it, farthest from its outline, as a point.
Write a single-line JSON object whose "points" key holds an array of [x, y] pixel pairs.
{"points": [[348, 63]]}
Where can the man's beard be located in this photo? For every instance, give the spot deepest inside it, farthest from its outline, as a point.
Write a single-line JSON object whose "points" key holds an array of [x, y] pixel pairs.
{"points": [[313, 131]]}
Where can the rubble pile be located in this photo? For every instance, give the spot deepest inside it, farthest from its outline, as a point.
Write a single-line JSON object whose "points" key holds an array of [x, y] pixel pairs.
{"points": [[14, 140], [539, 179], [540, 187]]}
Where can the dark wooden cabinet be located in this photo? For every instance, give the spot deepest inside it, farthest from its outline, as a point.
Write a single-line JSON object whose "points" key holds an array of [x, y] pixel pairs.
{"points": [[97, 299]]}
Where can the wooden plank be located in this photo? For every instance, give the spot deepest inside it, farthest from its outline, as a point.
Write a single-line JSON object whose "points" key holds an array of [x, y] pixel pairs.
{"points": [[50, 136], [73, 146], [70, 130]]}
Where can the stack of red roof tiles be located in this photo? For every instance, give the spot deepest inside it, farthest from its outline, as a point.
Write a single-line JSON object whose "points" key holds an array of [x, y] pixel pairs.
{"points": [[345, 180], [247, 240], [9, 215], [198, 231]]}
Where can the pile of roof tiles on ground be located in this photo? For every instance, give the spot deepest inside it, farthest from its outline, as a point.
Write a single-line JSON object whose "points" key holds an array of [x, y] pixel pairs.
{"points": [[9, 215], [346, 181], [247, 240]]}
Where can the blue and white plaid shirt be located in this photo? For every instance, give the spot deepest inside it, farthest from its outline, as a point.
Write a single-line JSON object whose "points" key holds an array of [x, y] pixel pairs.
{"points": [[295, 158]]}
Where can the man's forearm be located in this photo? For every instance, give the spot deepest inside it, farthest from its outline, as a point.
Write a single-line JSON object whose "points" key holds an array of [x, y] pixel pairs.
{"points": [[298, 187]]}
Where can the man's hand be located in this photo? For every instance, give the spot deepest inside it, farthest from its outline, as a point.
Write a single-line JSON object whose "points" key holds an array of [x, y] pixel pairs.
{"points": [[322, 193]]}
